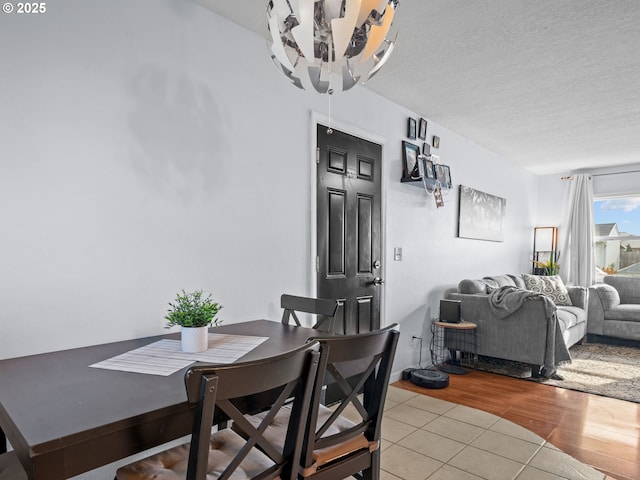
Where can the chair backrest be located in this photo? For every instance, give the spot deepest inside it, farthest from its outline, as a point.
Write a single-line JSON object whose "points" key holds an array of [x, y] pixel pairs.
{"points": [[323, 307], [236, 389], [358, 364]]}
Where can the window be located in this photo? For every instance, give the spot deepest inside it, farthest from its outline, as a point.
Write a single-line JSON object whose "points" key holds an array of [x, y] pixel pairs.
{"points": [[617, 236]]}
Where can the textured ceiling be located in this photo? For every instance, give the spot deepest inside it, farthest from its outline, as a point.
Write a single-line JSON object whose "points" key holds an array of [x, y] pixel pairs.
{"points": [[552, 85]]}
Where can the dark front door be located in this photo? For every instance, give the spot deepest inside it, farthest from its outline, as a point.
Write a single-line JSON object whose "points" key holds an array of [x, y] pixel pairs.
{"points": [[349, 228]]}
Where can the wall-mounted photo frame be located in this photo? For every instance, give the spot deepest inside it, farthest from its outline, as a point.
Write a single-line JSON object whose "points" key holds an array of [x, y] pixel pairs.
{"points": [[435, 141], [440, 174], [447, 176], [411, 128], [422, 132], [421, 159], [428, 168], [410, 154], [426, 148]]}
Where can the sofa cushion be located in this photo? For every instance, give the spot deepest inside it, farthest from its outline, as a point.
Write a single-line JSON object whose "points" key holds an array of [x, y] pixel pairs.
{"points": [[551, 286], [570, 316], [500, 280], [472, 286], [628, 287], [609, 296], [518, 281], [629, 312], [490, 284], [579, 296]]}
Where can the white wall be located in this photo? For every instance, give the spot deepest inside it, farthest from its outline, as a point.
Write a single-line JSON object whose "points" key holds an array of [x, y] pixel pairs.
{"points": [[151, 146]]}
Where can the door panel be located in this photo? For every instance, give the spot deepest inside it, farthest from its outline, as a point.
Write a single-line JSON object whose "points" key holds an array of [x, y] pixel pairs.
{"points": [[349, 228], [336, 225], [365, 313], [364, 235]]}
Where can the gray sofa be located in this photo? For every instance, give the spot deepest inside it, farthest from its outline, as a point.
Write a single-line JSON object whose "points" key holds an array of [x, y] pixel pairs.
{"points": [[614, 308], [530, 334]]}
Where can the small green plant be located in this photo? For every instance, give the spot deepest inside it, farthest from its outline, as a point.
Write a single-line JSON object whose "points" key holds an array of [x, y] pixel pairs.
{"points": [[551, 266], [193, 310]]}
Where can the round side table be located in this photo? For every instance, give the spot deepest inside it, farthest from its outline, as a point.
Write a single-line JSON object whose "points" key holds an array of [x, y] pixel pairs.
{"points": [[454, 346]]}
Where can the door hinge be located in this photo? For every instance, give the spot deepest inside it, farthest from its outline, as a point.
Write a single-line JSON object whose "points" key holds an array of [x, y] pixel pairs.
{"points": [[318, 155], [317, 264]]}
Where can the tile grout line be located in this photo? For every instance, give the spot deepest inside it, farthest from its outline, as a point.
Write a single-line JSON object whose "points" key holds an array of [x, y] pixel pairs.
{"points": [[523, 465]]}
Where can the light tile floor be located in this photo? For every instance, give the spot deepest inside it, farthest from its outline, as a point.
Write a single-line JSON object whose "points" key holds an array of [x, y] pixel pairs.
{"points": [[427, 438]]}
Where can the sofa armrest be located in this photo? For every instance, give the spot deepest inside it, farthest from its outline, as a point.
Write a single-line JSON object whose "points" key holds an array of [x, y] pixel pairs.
{"points": [[595, 314], [579, 296]]}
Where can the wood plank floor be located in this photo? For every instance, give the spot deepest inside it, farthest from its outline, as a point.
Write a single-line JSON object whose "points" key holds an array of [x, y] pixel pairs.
{"points": [[599, 431]]}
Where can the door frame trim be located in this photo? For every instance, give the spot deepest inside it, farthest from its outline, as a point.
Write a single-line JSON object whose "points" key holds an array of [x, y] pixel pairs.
{"points": [[315, 119]]}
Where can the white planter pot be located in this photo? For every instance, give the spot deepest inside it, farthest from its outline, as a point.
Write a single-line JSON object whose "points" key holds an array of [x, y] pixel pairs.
{"points": [[194, 339]]}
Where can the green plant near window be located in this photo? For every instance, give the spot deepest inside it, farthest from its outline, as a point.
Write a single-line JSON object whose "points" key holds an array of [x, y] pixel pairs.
{"points": [[193, 309], [551, 266]]}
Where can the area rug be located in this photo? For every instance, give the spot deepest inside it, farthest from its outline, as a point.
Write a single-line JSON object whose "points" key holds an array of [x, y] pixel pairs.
{"points": [[608, 370]]}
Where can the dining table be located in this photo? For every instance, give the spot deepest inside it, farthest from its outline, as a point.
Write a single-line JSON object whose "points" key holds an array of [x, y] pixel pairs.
{"points": [[63, 417]]}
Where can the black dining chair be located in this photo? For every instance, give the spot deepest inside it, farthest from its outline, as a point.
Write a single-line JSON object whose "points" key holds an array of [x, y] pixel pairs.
{"points": [[324, 308], [232, 391], [10, 468], [343, 439]]}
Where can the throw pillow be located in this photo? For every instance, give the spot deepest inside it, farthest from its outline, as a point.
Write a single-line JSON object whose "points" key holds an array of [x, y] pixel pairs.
{"points": [[471, 286], [609, 296], [552, 286]]}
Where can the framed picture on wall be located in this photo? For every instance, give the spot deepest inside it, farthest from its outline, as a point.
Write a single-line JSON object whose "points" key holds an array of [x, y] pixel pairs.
{"points": [[428, 168], [411, 128], [481, 215], [410, 154], [447, 176], [422, 132]]}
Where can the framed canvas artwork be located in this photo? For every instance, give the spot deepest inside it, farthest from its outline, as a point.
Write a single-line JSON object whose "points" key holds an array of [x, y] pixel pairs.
{"points": [[481, 215]]}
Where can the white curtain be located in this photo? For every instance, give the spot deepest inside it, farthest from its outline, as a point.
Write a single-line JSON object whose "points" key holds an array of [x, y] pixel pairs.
{"points": [[577, 259]]}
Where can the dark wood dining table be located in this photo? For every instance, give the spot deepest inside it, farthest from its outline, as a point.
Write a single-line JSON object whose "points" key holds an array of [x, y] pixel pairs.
{"points": [[63, 418]]}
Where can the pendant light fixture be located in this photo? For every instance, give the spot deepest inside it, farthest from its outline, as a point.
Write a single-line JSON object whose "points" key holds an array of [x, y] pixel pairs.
{"points": [[330, 45]]}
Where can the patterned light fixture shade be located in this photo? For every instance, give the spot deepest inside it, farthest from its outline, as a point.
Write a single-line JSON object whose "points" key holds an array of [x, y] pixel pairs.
{"points": [[330, 45]]}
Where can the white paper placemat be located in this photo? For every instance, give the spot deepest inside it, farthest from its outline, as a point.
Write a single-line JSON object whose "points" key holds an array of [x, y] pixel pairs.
{"points": [[165, 357]]}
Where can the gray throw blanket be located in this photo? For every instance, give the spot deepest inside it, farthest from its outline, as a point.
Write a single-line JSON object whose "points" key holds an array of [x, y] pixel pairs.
{"points": [[506, 300]]}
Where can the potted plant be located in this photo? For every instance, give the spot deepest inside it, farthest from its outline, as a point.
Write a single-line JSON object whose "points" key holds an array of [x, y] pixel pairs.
{"points": [[551, 266], [194, 313]]}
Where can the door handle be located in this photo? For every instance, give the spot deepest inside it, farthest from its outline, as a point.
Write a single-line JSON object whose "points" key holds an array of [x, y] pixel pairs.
{"points": [[377, 281]]}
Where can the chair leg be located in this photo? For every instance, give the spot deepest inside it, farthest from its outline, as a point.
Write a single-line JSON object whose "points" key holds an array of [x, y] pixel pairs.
{"points": [[373, 472], [375, 465]]}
